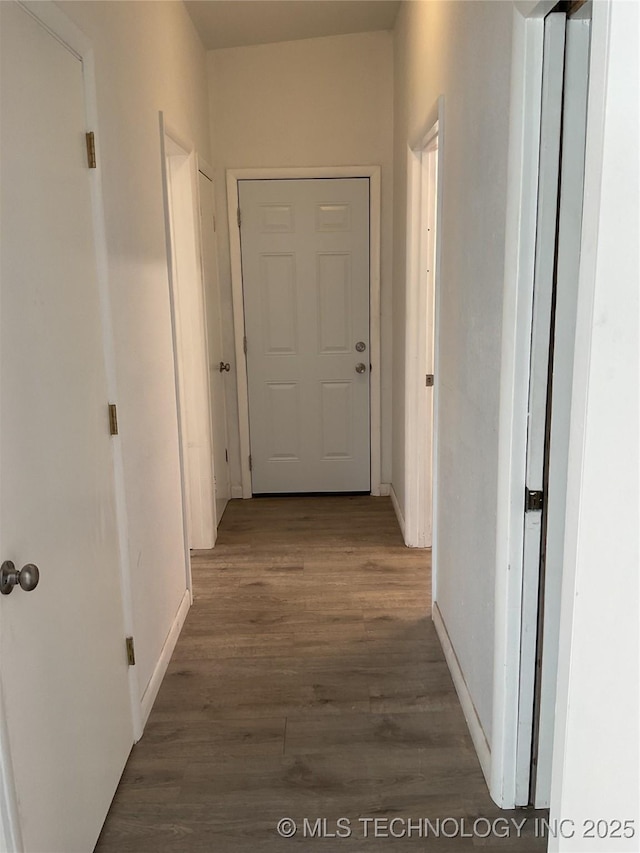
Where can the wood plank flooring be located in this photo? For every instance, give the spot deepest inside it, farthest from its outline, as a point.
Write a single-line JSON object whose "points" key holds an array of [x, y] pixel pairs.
{"points": [[308, 682]]}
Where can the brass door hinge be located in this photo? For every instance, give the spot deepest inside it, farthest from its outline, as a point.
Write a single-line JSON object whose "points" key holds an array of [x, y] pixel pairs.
{"points": [[113, 419], [91, 150], [131, 652]]}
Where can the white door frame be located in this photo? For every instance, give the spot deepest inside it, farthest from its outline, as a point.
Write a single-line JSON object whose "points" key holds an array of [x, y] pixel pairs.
{"points": [[373, 174], [53, 19], [520, 242], [521, 221], [203, 509], [424, 202]]}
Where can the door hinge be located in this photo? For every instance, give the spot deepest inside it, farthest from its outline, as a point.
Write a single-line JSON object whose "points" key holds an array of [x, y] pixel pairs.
{"points": [[244, 344], [113, 419], [226, 455], [250, 462], [214, 223], [533, 500], [131, 652], [239, 219], [429, 380], [91, 150]]}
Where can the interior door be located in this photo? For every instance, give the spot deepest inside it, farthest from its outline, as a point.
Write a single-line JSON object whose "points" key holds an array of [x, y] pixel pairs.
{"points": [[63, 665], [305, 269], [219, 369]]}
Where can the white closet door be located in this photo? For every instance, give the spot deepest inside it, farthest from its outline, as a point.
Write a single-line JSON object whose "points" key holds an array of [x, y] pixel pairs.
{"points": [[63, 664]]}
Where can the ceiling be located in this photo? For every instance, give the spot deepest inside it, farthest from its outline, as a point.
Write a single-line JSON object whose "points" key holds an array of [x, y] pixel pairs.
{"points": [[232, 23]]}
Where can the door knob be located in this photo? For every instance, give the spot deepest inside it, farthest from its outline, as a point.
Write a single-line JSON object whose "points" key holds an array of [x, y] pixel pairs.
{"points": [[28, 577], [224, 366], [361, 346], [361, 368]]}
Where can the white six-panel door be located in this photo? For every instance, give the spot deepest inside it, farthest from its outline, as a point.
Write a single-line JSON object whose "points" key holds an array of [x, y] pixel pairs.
{"points": [[305, 269], [63, 665]]}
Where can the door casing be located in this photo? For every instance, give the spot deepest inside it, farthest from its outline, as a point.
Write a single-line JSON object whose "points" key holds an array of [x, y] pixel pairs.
{"points": [[373, 174], [521, 221]]}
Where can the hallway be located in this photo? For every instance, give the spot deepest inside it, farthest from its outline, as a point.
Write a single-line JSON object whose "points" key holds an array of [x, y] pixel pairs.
{"points": [[308, 683]]}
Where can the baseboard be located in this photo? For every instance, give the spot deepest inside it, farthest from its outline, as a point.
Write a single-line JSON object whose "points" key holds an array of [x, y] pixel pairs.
{"points": [[236, 492], [385, 490], [396, 506], [149, 695], [468, 708]]}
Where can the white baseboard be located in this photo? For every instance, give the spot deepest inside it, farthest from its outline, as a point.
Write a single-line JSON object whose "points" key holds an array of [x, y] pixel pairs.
{"points": [[385, 490], [149, 695], [396, 506], [236, 492], [468, 708]]}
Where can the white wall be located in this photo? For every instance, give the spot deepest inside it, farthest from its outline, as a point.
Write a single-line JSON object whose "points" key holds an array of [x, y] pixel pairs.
{"points": [[148, 58], [316, 102], [597, 737], [462, 51]]}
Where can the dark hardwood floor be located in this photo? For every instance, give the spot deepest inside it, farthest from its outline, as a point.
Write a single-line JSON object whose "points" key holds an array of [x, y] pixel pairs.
{"points": [[308, 682]]}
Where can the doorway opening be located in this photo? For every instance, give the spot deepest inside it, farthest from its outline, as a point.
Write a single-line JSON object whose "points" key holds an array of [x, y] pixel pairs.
{"points": [[420, 370], [180, 173], [219, 367], [336, 445]]}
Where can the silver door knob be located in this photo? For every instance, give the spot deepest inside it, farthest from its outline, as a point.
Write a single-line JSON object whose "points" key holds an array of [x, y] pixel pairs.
{"points": [[27, 577], [361, 346], [224, 366], [361, 368]]}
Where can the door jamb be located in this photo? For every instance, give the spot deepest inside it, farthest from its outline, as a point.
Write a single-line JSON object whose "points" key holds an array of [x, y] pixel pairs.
{"points": [[373, 174]]}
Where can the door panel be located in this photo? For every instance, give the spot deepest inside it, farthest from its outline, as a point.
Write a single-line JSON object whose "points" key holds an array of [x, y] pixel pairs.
{"points": [[63, 664], [336, 420], [283, 417], [218, 377], [279, 304], [333, 281], [305, 265]]}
